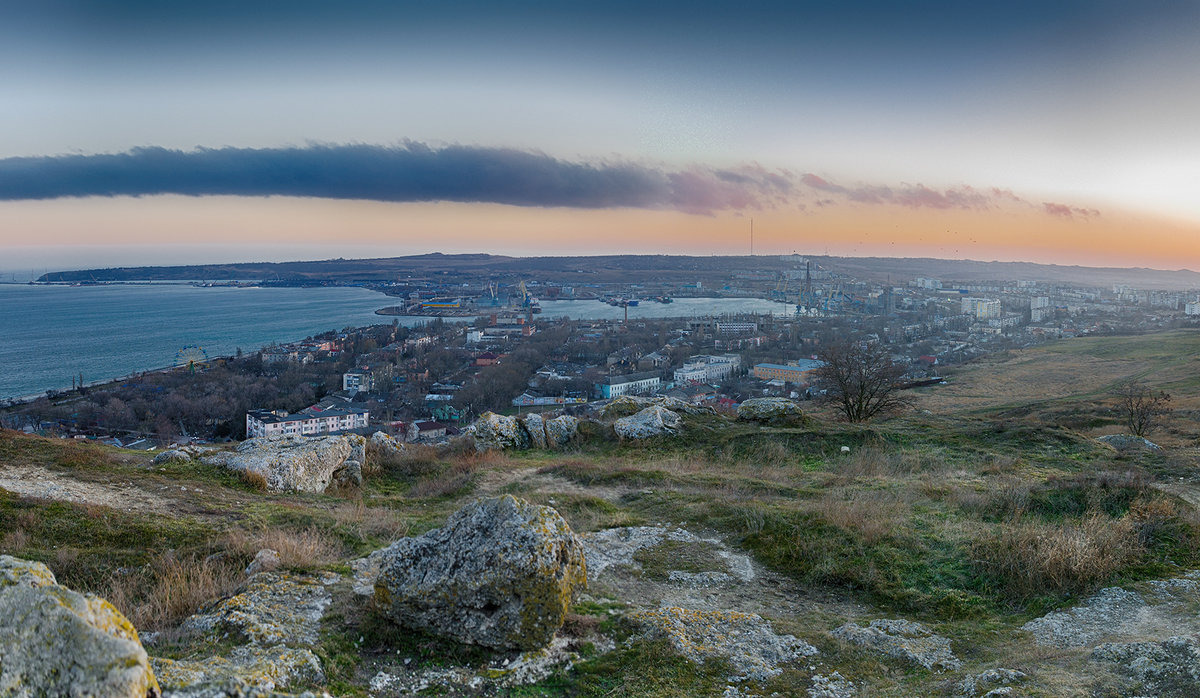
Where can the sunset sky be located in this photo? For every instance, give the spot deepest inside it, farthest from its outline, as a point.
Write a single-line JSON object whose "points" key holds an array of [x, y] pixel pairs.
{"points": [[161, 132]]}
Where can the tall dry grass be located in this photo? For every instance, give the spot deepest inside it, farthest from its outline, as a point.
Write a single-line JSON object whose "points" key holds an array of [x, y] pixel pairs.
{"points": [[1032, 558], [170, 588]]}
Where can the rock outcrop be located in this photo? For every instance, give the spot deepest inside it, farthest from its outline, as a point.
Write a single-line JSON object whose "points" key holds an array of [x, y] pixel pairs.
{"points": [[535, 429], [652, 421], [560, 430], [297, 463], [498, 432], [279, 617], [744, 639], [501, 573], [627, 405], [1167, 668], [902, 639], [1129, 442], [770, 410], [58, 642]]}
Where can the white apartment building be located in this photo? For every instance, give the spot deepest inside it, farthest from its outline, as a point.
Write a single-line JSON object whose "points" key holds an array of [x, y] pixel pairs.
{"points": [[263, 423], [705, 368]]}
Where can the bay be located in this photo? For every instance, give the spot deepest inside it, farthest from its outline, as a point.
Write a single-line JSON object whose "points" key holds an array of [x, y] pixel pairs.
{"points": [[50, 334]]}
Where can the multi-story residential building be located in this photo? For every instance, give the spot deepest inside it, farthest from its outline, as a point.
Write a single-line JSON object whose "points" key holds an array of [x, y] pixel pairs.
{"points": [[707, 369], [632, 384], [358, 379], [309, 422], [981, 308]]}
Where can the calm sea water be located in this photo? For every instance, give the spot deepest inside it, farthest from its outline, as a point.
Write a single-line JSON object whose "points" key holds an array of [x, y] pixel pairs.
{"points": [[50, 333]]}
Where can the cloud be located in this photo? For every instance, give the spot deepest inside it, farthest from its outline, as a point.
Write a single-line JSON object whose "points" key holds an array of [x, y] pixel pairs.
{"points": [[410, 172], [1065, 211], [416, 172]]}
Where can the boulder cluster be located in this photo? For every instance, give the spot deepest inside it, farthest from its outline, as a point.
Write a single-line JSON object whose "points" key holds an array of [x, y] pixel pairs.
{"points": [[297, 463], [498, 432]]}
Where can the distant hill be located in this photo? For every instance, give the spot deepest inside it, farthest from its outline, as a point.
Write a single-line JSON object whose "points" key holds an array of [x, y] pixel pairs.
{"points": [[634, 268]]}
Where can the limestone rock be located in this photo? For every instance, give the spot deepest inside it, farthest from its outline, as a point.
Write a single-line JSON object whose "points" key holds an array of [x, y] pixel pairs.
{"points": [[55, 641], [652, 421], [172, 456], [264, 560], [833, 685], [495, 431], [385, 443], [271, 609], [1129, 442], [627, 405], [501, 573], [252, 670], [745, 639], [1167, 668], [294, 463], [988, 682], [1099, 617], [902, 639], [535, 429], [770, 410], [560, 430]]}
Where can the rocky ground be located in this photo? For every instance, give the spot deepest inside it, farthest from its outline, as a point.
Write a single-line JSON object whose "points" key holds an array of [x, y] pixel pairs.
{"points": [[715, 553]]}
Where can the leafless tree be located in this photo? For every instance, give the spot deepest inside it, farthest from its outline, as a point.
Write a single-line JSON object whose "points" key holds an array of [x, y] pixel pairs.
{"points": [[862, 378], [1142, 406]]}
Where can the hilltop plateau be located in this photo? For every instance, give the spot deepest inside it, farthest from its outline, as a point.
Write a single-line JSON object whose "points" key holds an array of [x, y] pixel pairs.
{"points": [[983, 542]]}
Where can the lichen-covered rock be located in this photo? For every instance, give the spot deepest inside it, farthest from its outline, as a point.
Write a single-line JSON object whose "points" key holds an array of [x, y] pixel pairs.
{"points": [[501, 573], [253, 670], [172, 456], [1129, 442], [386, 444], [560, 430], [292, 463], [1099, 617], [1167, 668], [535, 429], [832, 686], [498, 432], [745, 639], [627, 405], [264, 560], [770, 410], [58, 642], [272, 609], [988, 682], [902, 639], [652, 421]]}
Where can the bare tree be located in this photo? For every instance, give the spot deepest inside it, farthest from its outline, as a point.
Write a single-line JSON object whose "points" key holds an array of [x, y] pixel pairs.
{"points": [[862, 378], [1142, 406]]}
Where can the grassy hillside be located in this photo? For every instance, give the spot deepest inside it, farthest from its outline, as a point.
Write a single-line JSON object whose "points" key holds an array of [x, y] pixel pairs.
{"points": [[988, 504]]}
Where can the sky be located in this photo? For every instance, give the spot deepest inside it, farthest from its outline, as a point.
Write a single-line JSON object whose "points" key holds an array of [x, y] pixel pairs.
{"points": [[168, 132]]}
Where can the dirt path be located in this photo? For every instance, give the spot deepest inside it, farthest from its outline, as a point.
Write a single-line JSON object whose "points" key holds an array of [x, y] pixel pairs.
{"points": [[531, 481], [44, 483]]}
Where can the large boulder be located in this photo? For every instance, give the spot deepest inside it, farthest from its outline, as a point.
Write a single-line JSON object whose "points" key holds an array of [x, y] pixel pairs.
{"points": [[58, 642], [770, 410], [628, 405], [652, 421], [535, 429], [496, 431], [296, 463], [501, 573], [560, 430]]}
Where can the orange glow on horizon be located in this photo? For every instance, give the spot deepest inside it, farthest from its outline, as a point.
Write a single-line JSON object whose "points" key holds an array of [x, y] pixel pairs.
{"points": [[1020, 233]]}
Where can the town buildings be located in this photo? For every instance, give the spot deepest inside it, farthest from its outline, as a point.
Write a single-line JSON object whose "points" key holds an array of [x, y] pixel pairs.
{"points": [[311, 421]]}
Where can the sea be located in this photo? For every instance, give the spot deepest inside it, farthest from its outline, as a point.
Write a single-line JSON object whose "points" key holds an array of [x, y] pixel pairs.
{"points": [[51, 334]]}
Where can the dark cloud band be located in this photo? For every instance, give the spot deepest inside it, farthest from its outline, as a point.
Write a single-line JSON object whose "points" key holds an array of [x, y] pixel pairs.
{"points": [[416, 172]]}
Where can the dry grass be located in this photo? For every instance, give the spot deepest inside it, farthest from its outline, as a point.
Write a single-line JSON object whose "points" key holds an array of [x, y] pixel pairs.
{"points": [[368, 521], [872, 516], [879, 462], [254, 479], [302, 549], [1035, 558], [170, 588], [451, 481]]}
